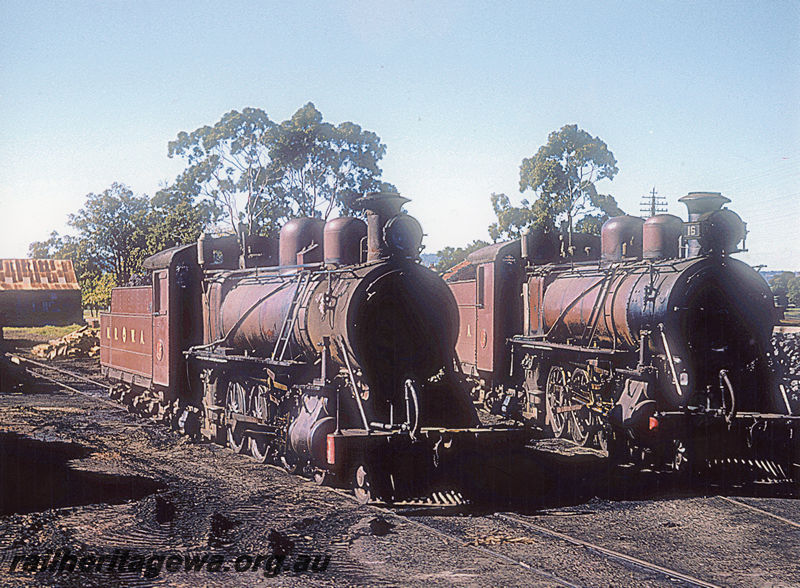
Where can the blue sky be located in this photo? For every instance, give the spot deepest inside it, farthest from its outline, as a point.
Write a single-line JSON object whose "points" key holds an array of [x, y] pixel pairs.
{"points": [[688, 95]]}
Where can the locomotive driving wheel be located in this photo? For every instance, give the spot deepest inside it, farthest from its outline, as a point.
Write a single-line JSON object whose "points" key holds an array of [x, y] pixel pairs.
{"points": [[236, 403], [261, 445], [581, 420], [362, 485], [556, 395]]}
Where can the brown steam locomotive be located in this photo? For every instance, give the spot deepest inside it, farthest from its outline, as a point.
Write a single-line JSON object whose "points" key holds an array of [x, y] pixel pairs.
{"points": [[650, 341], [330, 352]]}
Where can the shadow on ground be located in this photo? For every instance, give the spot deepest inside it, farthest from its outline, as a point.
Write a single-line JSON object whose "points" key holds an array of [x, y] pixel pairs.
{"points": [[533, 480], [36, 475]]}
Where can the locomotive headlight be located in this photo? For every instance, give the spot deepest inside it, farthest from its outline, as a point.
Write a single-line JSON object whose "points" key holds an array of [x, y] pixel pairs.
{"points": [[403, 235], [684, 378]]}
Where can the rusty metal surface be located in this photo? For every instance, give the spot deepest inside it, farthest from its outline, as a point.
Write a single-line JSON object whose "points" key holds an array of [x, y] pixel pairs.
{"points": [[585, 247], [342, 240], [126, 334], [466, 346], [301, 235], [162, 335], [37, 274], [380, 208], [621, 237], [251, 313], [133, 300], [485, 316], [661, 236], [538, 246], [489, 305]]}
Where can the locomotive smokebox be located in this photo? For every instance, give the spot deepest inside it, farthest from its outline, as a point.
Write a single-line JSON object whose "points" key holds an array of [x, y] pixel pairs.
{"points": [[711, 229]]}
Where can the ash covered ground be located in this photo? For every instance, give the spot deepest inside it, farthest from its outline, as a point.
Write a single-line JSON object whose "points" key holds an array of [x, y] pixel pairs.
{"points": [[88, 478]]}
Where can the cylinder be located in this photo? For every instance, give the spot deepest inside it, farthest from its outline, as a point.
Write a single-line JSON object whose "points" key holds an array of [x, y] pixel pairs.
{"points": [[342, 240], [661, 237], [621, 237], [301, 241]]}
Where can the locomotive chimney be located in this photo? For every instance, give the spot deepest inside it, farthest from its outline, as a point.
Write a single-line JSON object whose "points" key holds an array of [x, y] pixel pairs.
{"points": [[699, 204], [380, 207]]}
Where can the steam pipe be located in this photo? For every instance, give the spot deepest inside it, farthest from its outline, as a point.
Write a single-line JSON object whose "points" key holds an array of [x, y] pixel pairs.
{"points": [[670, 360], [355, 388]]}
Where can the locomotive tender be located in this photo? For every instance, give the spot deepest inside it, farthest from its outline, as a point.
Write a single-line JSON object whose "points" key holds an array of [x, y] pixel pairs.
{"points": [[650, 341], [330, 352]]}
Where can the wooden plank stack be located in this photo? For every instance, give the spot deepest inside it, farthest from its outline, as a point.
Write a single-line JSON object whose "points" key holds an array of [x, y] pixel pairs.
{"points": [[81, 343]]}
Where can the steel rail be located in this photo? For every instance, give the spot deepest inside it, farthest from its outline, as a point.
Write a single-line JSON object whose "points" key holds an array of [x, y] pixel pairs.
{"points": [[761, 510], [56, 369], [460, 542], [66, 386], [610, 553]]}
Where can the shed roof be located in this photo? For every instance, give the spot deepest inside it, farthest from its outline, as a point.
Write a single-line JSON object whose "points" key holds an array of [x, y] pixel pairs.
{"points": [[37, 274]]}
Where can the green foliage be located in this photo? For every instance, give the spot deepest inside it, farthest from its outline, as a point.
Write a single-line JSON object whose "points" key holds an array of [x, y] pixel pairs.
{"points": [[562, 174], [175, 220], [450, 256], [83, 253], [115, 223], [512, 219], [227, 166], [251, 170], [96, 290], [787, 284], [116, 231], [318, 167]]}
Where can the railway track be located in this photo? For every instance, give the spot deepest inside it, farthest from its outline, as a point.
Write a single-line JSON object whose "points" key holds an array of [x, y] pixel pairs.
{"points": [[66, 379], [436, 526]]}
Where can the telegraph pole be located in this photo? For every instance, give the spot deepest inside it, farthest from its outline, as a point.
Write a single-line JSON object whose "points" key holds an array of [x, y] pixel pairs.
{"points": [[652, 204]]}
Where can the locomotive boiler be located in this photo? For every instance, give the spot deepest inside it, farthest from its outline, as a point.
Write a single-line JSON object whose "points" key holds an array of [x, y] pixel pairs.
{"points": [[651, 342], [330, 352]]}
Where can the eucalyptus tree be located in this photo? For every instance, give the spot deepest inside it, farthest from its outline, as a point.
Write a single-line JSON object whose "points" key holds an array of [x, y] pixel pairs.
{"points": [[562, 176], [252, 170]]}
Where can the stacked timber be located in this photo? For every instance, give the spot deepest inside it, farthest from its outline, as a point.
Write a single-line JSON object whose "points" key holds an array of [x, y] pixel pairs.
{"points": [[81, 343]]}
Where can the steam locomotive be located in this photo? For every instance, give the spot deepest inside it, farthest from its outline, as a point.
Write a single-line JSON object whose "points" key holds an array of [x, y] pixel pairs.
{"points": [[330, 352], [650, 342]]}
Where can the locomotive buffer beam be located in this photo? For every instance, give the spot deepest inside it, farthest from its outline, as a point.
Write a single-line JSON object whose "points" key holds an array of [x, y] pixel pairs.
{"points": [[393, 467]]}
